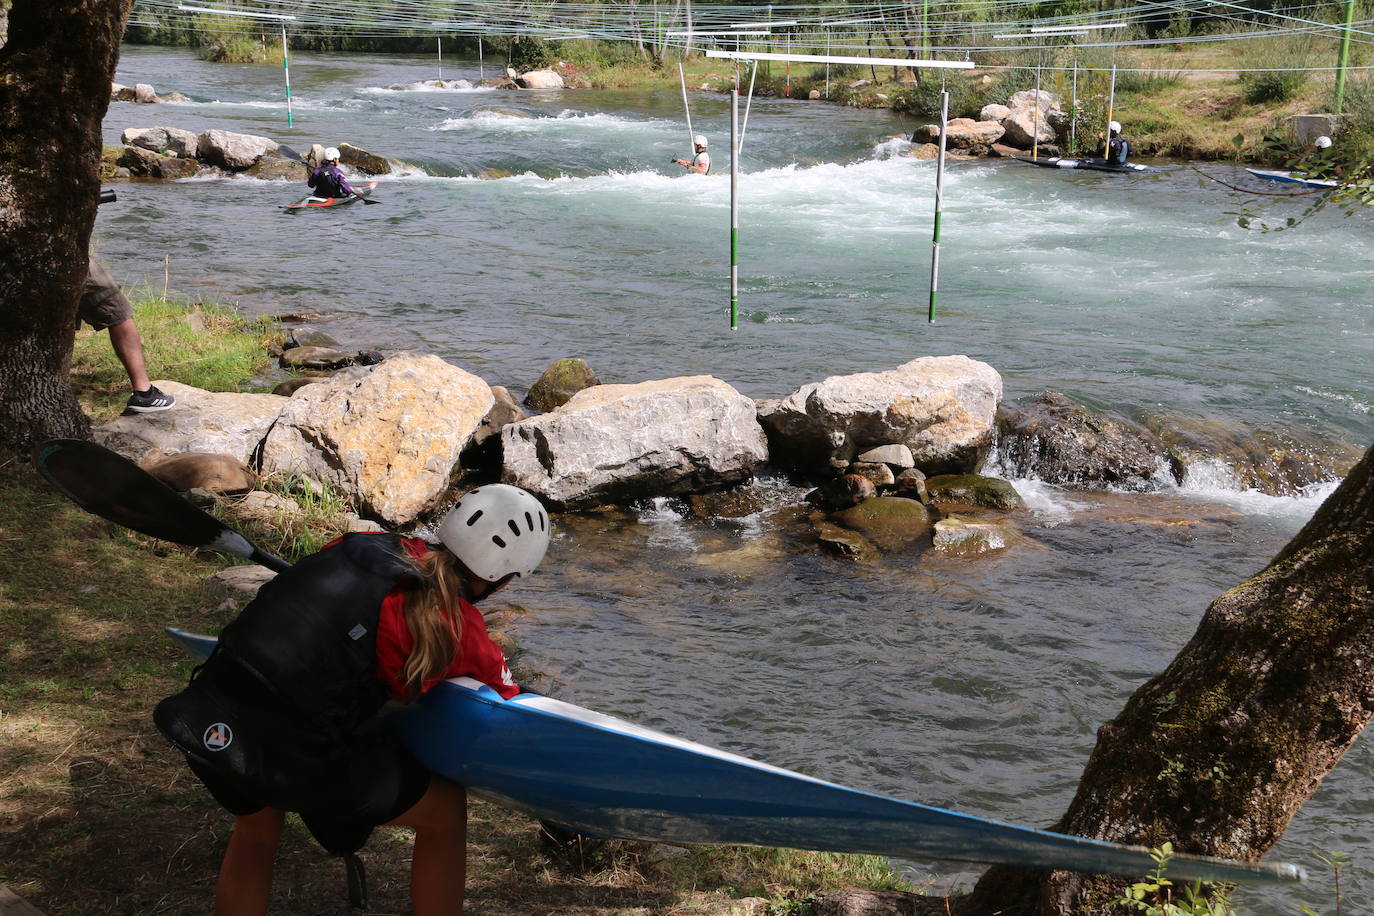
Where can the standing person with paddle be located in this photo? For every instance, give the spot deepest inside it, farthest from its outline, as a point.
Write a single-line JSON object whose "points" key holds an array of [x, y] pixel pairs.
{"points": [[281, 717], [328, 180]]}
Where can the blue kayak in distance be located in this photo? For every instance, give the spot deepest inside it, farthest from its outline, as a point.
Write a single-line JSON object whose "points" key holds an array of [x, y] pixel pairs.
{"points": [[1290, 178], [1090, 164], [605, 777]]}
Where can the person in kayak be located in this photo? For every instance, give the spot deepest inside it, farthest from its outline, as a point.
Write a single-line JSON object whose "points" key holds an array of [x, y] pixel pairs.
{"points": [[1116, 149], [1320, 163], [701, 162], [328, 180], [282, 716]]}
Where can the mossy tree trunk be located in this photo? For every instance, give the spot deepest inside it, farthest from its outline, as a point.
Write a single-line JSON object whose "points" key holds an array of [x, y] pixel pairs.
{"points": [[1219, 751], [55, 72]]}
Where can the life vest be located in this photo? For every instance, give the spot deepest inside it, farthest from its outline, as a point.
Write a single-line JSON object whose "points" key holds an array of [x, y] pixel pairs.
{"points": [[325, 181], [282, 697]]}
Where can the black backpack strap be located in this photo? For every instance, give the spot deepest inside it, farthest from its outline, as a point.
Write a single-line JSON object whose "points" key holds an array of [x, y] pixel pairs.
{"points": [[356, 877]]}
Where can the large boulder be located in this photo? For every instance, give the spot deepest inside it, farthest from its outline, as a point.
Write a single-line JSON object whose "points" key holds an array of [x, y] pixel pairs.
{"points": [[965, 133], [940, 407], [1025, 127], [1058, 440], [388, 437], [202, 421], [540, 79], [233, 151], [180, 143], [618, 442]]}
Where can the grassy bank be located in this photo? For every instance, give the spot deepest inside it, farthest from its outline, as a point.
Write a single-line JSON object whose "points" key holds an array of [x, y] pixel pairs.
{"points": [[99, 816]]}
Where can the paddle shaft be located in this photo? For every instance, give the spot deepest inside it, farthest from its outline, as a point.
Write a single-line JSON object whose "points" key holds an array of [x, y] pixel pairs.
{"points": [[289, 153]]}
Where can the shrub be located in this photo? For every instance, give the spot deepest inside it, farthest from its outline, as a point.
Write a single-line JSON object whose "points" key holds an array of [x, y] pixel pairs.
{"points": [[529, 53]]}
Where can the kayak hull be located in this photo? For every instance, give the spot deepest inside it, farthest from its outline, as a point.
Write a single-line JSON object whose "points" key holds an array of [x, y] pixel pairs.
{"points": [[1290, 178], [606, 777], [1086, 164], [322, 202]]}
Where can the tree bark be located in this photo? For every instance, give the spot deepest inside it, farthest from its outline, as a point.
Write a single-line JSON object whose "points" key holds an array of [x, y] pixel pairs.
{"points": [[55, 72], [1219, 751]]}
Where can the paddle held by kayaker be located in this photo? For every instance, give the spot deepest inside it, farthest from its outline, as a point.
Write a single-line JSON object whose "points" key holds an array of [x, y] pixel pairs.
{"points": [[283, 715], [701, 162], [328, 180]]}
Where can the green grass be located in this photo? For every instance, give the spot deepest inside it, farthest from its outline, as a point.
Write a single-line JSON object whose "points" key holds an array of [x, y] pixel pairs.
{"points": [[203, 344]]}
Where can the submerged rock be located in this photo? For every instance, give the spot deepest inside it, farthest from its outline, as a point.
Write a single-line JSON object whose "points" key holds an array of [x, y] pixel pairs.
{"points": [[966, 538], [890, 522], [1058, 440], [973, 490], [1229, 455]]}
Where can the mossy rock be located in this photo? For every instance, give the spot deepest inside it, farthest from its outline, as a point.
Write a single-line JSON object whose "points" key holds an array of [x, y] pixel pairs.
{"points": [[890, 522], [563, 379], [973, 490]]}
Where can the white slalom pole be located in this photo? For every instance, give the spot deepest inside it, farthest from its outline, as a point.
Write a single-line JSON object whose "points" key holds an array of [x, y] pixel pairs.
{"points": [[748, 103], [939, 206], [691, 137], [286, 70], [440, 39], [735, 138], [1111, 103], [481, 65], [1073, 114]]}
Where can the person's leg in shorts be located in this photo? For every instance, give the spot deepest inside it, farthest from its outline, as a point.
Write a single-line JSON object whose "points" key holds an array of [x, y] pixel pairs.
{"points": [[245, 875], [104, 306], [438, 863]]}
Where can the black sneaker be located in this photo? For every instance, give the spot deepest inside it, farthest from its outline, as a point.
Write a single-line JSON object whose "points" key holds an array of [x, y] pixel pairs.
{"points": [[150, 401]]}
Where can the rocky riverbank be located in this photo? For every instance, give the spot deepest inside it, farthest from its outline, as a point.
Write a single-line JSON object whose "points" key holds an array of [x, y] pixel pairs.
{"points": [[905, 459]]}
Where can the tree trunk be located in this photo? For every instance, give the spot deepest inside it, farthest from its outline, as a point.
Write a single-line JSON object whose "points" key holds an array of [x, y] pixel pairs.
{"points": [[1219, 751], [55, 72]]}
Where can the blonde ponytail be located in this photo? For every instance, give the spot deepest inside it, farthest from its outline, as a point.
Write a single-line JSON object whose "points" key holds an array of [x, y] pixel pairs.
{"points": [[432, 616]]}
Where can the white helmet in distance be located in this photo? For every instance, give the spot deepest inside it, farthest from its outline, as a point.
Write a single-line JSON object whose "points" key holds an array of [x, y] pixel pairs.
{"points": [[1323, 142], [496, 530], [699, 140], [1114, 127], [331, 154]]}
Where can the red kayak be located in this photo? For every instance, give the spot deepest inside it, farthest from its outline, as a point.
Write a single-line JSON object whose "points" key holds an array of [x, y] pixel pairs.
{"points": [[363, 189]]}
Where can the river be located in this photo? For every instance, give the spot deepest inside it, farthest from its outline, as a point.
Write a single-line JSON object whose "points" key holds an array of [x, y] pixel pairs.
{"points": [[971, 684]]}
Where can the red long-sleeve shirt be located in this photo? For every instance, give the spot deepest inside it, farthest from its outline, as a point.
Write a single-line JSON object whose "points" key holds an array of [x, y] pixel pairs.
{"points": [[477, 657]]}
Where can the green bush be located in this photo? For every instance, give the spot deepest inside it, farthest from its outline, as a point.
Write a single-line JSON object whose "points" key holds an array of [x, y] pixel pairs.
{"points": [[529, 53]]}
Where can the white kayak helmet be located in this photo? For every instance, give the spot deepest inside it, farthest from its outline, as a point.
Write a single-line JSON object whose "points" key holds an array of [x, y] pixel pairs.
{"points": [[699, 140], [331, 154], [496, 530], [1323, 142], [1114, 127]]}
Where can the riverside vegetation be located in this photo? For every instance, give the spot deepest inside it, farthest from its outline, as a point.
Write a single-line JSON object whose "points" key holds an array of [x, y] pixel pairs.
{"points": [[99, 816]]}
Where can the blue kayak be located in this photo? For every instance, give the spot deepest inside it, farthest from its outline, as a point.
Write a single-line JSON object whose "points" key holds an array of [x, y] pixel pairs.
{"points": [[605, 777], [1290, 178]]}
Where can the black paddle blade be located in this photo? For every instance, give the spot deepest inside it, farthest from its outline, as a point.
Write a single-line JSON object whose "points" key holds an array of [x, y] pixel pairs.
{"points": [[289, 153], [111, 486]]}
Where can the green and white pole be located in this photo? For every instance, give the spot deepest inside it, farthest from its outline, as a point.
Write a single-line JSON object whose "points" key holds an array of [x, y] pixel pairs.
{"points": [[734, 209], [939, 206], [440, 39], [286, 69], [1343, 57]]}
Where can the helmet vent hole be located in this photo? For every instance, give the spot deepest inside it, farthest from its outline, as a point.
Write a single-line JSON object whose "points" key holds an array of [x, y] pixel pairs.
{"points": [[472, 520], [496, 539], [541, 521], [529, 522], [513, 527]]}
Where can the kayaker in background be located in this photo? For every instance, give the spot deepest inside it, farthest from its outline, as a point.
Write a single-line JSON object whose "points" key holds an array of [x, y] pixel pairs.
{"points": [[1321, 162], [282, 715], [328, 180], [701, 162], [1116, 149]]}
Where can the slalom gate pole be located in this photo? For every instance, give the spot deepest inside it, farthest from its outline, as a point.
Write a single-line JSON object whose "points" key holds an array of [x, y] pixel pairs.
{"points": [[1111, 105], [1343, 58], [685, 107], [748, 103], [1073, 113], [286, 69], [481, 65], [734, 209], [1035, 119], [939, 206], [440, 39]]}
